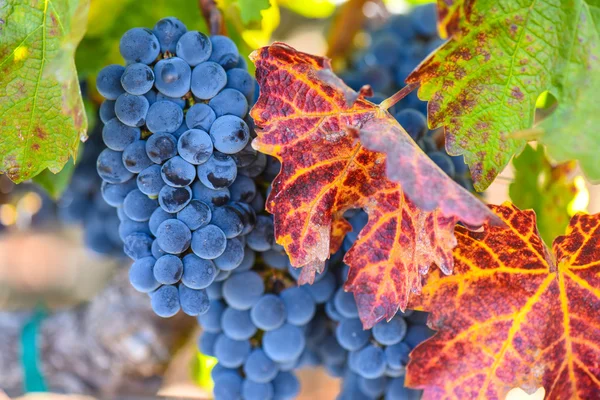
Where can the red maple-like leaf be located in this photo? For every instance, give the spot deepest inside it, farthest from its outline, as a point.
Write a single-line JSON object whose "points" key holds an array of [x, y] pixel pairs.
{"points": [[514, 314], [324, 135]]}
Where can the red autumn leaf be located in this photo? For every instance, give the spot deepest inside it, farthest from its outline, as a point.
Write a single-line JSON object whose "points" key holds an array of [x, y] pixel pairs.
{"points": [[311, 121], [514, 314]]}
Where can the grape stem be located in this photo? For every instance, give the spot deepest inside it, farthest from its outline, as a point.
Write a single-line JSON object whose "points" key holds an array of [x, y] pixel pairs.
{"points": [[212, 16], [399, 95]]}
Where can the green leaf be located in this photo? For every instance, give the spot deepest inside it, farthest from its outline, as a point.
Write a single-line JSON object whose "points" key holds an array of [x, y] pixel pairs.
{"points": [[545, 188], [482, 85], [55, 184], [572, 130], [250, 9], [41, 112], [101, 46]]}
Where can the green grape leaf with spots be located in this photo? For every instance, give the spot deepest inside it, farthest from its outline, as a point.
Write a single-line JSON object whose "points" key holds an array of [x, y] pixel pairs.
{"points": [[42, 117], [547, 189], [483, 83]]}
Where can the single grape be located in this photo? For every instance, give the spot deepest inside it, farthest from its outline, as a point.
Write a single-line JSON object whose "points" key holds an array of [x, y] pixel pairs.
{"points": [[229, 102], [243, 189], [114, 193], [209, 242], [262, 237], [137, 245], [168, 269], [218, 172], [276, 259], [108, 81], [149, 180], [242, 291], [163, 117], [141, 276], [258, 366], [194, 47], [256, 168], [173, 200], [229, 219], [228, 387], [397, 355], [283, 344], [222, 276], [211, 320], [139, 45], [351, 335], [286, 385], [173, 236], [345, 304], [200, 116], [107, 111], [177, 172], [212, 197], [132, 110], [138, 206], [117, 136], [215, 291], [195, 215], [194, 302], [150, 96], [371, 362], [198, 273], [137, 79], [231, 353], [135, 158], [157, 252], [195, 146], [168, 31], [230, 134], [257, 391], [237, 325], [160, 147], [173, 77], [269, 312], [239, 79], [389, 333], [248, 217], [299, 304], [233, 255], [208, 78], [224, 51], [165, 301]]}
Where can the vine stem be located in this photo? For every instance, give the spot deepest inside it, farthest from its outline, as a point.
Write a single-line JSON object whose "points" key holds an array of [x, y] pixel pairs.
{"points": [[399, 95], [213, 17], [345, 25]]}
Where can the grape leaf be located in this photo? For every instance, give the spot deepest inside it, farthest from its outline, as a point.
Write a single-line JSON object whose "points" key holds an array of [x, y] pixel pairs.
{"points": [[571, 131], [41, 111], [307, 118], [514, 314], [545, 188], [483, 83], [250, 9]]}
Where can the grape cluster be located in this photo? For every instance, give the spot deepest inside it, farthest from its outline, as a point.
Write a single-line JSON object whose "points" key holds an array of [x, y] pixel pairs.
{"points": [[179, 166], [395, 49]]}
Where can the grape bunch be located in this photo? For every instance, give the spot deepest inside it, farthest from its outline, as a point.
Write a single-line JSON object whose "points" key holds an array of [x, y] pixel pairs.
{"points": [[395, 49], [178, 165]]}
